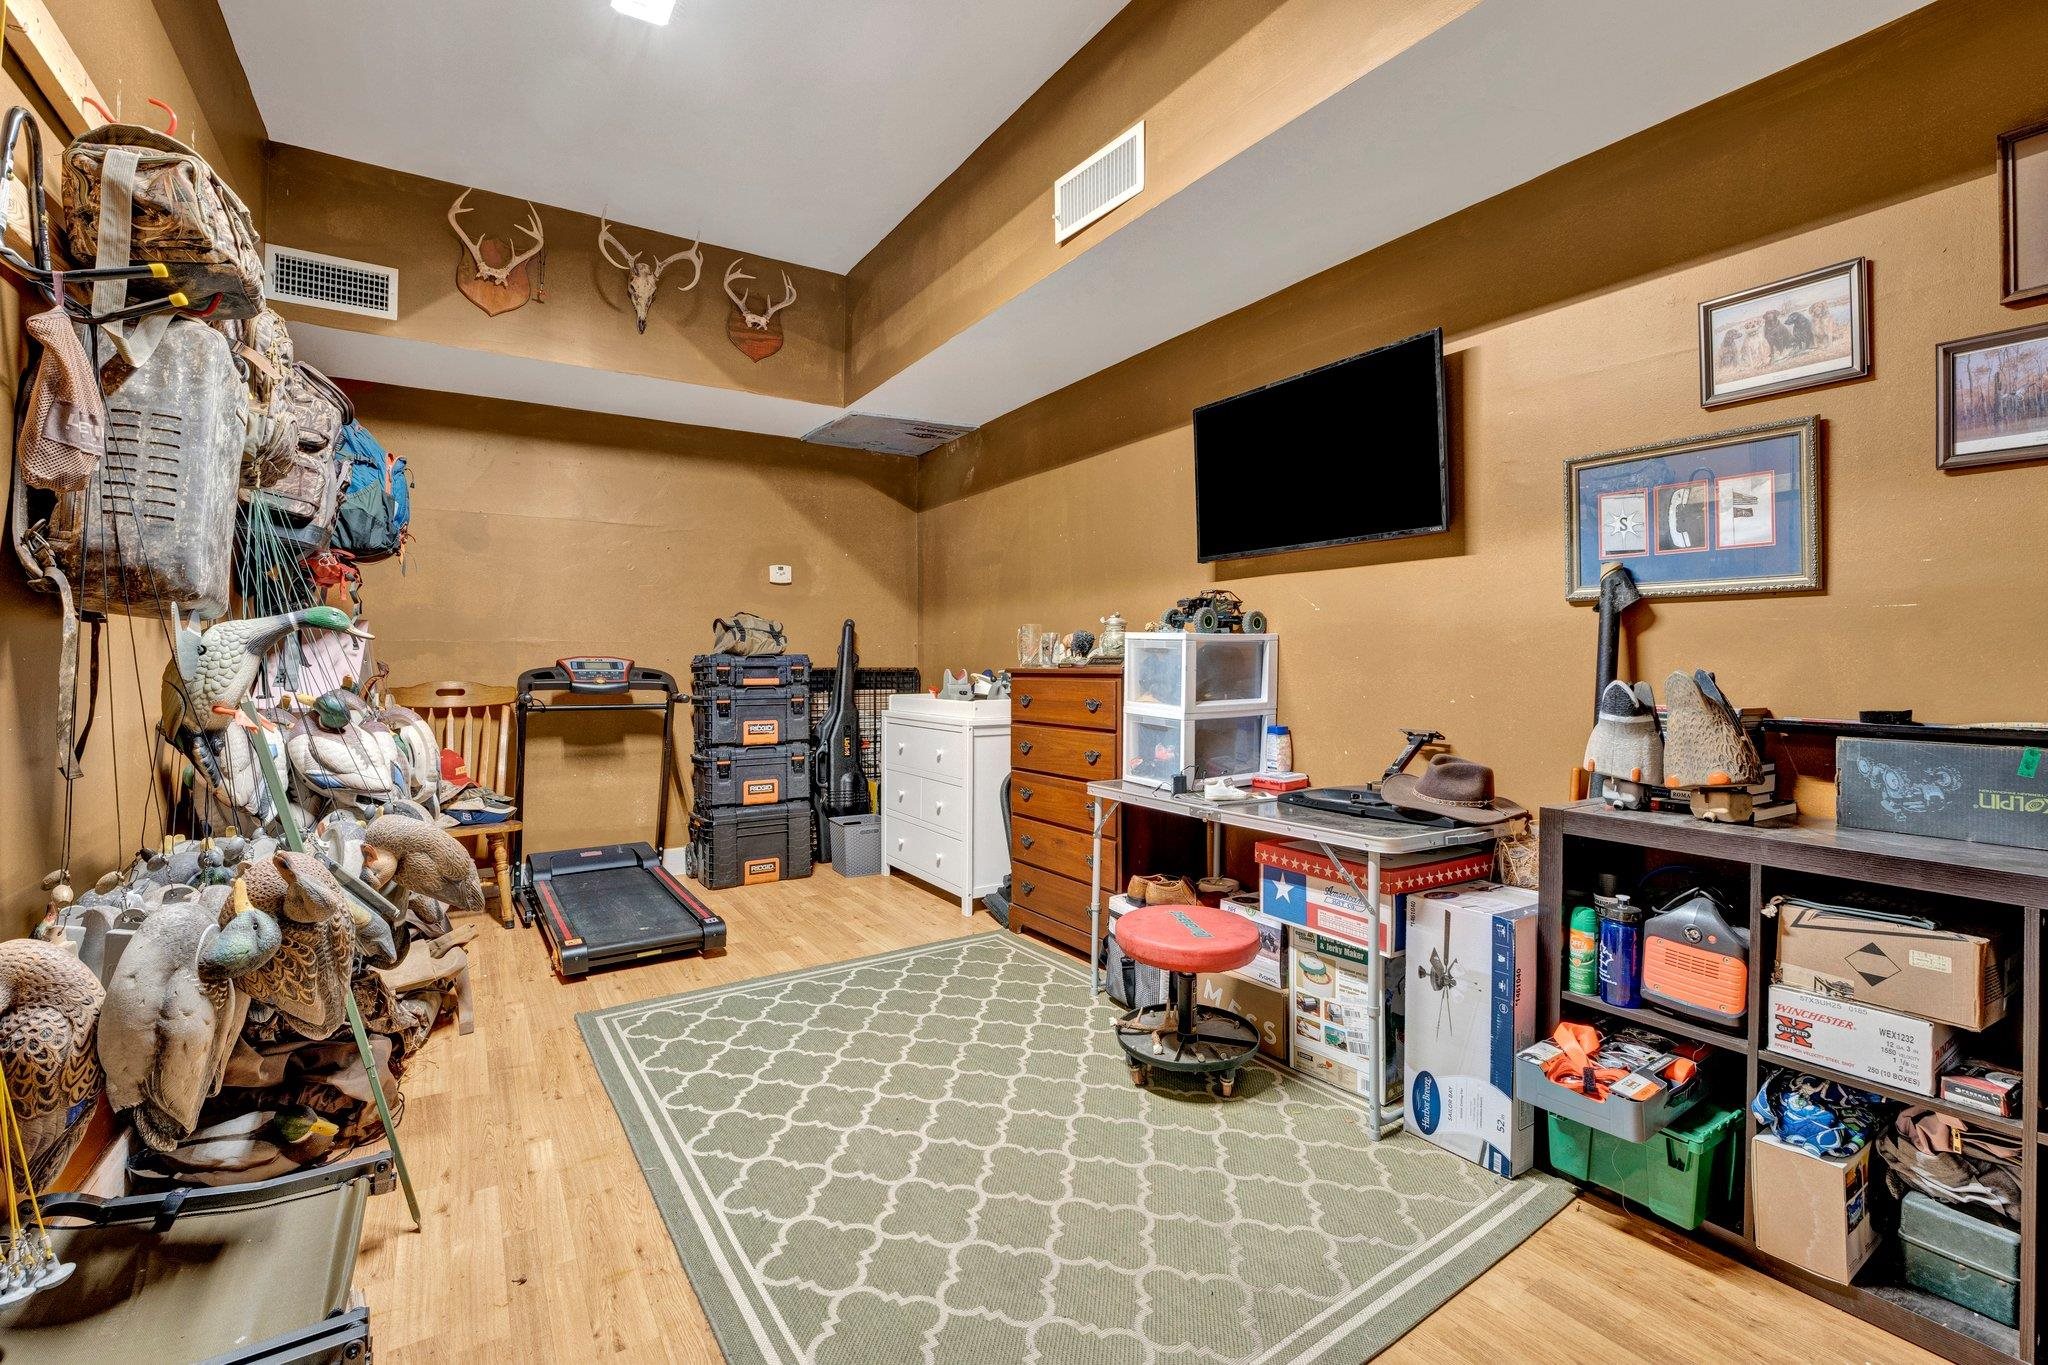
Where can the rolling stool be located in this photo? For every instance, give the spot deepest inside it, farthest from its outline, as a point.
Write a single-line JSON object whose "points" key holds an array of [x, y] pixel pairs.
{"points": [[1182, 1035]]}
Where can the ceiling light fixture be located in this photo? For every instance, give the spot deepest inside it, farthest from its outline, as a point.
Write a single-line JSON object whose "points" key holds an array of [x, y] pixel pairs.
{"points": [[653, 11]]}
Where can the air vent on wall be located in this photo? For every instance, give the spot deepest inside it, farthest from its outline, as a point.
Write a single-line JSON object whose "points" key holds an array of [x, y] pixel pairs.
{"points": [[317, 281], [888, 435], [1099, 184]]}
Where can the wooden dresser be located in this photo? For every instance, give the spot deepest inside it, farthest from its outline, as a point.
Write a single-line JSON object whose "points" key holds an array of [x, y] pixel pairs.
{"points": [[1063, 735]]}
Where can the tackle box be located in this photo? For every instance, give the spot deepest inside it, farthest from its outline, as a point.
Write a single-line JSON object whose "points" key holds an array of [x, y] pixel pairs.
{"points": [[761, 776], [750, 716], [749, 845], [1956, 1255], [734, 670], [1674, 1175]]}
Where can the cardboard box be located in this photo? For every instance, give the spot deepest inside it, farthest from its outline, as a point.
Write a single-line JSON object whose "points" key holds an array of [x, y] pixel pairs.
{"points": [[1945, 975], [1329, 992], [1473, 962], [1813, 1211], [1301, 886], [1980, 793], [1265, 1006], [1269, 968], [1877, 1045]]}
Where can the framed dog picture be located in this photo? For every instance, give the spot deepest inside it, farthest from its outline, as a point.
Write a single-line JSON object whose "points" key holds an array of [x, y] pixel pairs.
{"points": [[1991, 399], [1734, 512], [2023, 212], [1790, 334]]}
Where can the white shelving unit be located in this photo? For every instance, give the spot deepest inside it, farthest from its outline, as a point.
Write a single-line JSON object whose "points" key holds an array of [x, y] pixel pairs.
{"points": [[1196, 703]]}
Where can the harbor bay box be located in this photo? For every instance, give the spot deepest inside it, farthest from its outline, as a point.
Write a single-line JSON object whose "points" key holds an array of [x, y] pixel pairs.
{"points": [[1471, 1006]]}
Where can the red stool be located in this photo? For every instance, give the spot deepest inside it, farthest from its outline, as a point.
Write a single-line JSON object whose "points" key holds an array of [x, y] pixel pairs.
{"points": [[1182, 1035]]}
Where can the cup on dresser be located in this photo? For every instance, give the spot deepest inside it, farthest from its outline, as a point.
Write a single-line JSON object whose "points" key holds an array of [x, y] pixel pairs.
{"points": [[1027, 645]]}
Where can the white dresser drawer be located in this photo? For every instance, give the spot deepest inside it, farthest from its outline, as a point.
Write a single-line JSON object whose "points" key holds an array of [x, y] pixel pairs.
{"points": [[902, 795], [927, 749], [927, 853], [944, 806]]}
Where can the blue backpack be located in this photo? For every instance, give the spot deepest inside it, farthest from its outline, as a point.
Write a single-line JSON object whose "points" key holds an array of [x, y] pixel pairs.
{"points": [[374, 518]]}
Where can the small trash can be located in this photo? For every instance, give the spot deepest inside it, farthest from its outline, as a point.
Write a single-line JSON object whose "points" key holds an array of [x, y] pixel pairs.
{"points": [[856, 845]]}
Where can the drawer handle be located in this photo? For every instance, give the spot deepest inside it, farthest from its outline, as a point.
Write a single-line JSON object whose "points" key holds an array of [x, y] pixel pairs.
{"points": [[938, 808], [1024, 747], [1024, 702], [1093, 756], [938, 755], [938, 858], [1026, 840], [1093, 704], [1024, 793], [1027, 887]]}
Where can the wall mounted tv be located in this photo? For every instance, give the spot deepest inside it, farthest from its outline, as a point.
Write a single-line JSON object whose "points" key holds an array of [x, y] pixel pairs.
{"points": [[1356, 450]]}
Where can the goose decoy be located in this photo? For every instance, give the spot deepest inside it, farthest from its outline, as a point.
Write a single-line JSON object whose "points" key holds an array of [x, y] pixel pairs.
{"points": [[1704, 745], [213, 669], [49, 1011]]}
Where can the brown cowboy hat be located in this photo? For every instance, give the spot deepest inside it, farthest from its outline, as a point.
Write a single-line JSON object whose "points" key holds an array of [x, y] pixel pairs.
{"points": [[1452, 786]]}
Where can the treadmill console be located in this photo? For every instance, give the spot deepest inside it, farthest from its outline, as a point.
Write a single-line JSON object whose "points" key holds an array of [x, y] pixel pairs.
{"points": [[596, 673]]}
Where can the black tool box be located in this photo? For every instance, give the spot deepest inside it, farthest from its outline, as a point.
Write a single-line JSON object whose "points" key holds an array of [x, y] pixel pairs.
{"points": [[750, 716], [762, 776], [749, 845], [733, 670]]}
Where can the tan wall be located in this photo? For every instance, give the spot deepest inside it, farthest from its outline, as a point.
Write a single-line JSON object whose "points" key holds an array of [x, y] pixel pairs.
{"points": [[1208, 79], [128, 47], [543, 533], [370, 213], [1571, 307]]}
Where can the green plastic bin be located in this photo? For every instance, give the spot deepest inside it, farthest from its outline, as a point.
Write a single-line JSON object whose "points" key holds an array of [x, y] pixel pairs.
{"points": [[1673, 1174]]}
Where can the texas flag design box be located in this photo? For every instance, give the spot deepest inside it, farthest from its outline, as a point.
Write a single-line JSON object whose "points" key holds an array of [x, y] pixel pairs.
{"points": [[1301, 886]]}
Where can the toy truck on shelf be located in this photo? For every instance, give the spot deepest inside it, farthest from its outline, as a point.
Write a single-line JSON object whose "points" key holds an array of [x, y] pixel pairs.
{"points": [[1213, 613]]}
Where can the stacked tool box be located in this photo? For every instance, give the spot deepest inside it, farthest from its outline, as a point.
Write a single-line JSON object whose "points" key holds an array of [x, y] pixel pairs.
{"points": [[750, 774]]}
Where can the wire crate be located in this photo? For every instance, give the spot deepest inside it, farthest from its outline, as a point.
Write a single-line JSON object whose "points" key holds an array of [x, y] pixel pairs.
{"points": [[872, 688]]}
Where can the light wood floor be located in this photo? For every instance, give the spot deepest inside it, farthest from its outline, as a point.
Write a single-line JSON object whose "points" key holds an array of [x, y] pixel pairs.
{"points": [[542, 1242]]}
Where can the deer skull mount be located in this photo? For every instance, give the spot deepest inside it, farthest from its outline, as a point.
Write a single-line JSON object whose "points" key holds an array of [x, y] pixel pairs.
{"points": [[642, 278], [496, 275], [756, 335]]}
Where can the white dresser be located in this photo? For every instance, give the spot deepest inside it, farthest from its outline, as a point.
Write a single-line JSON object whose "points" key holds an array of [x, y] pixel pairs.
{"points": [[943, 764]]}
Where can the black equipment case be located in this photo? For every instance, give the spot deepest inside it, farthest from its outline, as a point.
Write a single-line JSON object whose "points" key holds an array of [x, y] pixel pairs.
{"points": [[748, 845], [750, 716], [733, 670], [761, 776]]}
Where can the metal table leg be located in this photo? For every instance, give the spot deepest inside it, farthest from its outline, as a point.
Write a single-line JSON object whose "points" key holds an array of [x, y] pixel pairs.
{"points": [[1375, 983], [1098, 978]]}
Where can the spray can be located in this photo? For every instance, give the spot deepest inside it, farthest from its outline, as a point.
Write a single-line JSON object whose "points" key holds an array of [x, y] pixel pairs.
{"points": [[1583, 975], [1621, 954]]}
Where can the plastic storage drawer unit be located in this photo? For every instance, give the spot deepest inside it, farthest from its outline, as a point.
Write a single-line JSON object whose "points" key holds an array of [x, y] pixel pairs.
{"points": [[1955, 1255], [1675, 1174], [748, 845]]}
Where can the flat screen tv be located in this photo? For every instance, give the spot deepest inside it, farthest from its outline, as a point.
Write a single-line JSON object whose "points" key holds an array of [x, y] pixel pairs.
{"points": [[1356, 450]]}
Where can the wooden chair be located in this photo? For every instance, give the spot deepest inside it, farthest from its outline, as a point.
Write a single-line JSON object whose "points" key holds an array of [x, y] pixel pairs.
{"points": [[475, 720]]}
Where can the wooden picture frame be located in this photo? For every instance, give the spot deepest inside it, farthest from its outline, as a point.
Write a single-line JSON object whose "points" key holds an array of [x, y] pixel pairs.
{"points": [[1747, 352], [1971, 431], [1729, 513], [2023, 213]]}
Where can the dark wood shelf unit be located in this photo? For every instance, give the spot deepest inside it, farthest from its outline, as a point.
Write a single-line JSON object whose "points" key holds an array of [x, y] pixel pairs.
{"points": [[2010, 882]]}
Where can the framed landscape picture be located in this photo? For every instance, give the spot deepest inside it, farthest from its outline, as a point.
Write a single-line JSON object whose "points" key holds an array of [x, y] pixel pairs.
{"points": [[1991, 399], [2023, 209], [1790, 334], [1734, 512]]}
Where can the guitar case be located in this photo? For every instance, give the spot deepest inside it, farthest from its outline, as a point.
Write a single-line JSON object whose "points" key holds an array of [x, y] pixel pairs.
{"points": [[839, 785]]}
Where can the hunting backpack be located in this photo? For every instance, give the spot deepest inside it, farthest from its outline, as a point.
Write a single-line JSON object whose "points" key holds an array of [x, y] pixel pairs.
{"points": [[375, 514]]}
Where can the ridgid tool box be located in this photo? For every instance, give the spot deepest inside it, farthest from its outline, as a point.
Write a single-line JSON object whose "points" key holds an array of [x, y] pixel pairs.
{"points": [[734, 670], [750, 716], [762, 776], [750, 845]]}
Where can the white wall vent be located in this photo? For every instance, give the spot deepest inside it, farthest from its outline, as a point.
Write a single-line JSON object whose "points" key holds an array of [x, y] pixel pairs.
{"points": [[1099, 184], [307, 277]]}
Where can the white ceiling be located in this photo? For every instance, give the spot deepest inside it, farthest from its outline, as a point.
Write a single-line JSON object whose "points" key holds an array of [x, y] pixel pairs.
{"points": [[801, 130], [1508, 91]]}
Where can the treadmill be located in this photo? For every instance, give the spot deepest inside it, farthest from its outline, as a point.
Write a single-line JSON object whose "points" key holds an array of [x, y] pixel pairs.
{"points": [[612, 903]]}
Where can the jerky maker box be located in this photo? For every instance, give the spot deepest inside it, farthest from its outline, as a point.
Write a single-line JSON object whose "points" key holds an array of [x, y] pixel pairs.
{"points": [[1980, 793]]}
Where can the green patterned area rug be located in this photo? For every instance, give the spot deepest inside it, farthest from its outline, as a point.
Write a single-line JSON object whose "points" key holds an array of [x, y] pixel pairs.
{"points": [[938, 1155]]}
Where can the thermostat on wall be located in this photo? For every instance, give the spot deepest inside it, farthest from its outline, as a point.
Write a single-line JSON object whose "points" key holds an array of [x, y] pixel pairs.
{"points": [[781, 573]]}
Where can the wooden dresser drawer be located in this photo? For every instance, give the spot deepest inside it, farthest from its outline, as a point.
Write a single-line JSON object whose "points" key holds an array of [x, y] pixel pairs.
{"points": [[1058, 800], [1055, 849], [1053, 897], [1091, 702], [1090, 755]]}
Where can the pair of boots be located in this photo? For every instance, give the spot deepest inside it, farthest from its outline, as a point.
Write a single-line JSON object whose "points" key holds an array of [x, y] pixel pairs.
{"points": [[1703, 744]]}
